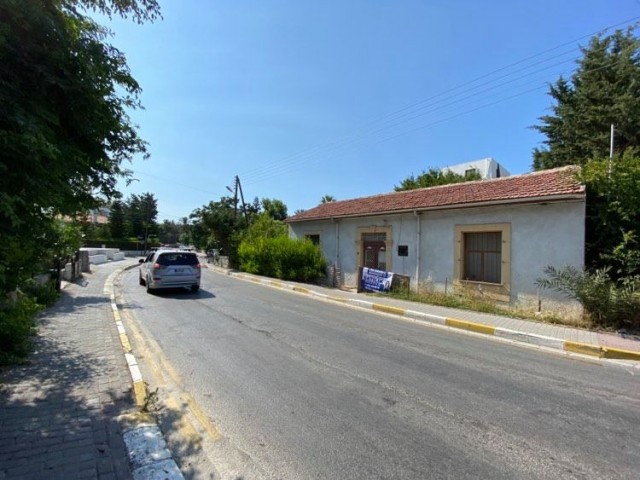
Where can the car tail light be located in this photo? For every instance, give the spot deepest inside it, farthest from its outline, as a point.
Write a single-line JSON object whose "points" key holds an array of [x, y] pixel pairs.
{"points": [[157, 266], [198, 266]]}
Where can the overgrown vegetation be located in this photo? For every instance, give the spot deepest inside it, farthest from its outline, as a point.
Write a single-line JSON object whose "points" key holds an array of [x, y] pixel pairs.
{"points": [[267, 250], [65, 132], [609, 303], [17, 320], [284, 258], [604, 90], [478, 304], [223, 224]]}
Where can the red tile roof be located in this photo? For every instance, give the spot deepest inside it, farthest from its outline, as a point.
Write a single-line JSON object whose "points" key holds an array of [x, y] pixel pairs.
{"points": [[547, 185]]}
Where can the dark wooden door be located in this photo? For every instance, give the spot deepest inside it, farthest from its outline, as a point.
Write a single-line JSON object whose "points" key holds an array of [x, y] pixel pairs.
{"points": [[374, 255]]}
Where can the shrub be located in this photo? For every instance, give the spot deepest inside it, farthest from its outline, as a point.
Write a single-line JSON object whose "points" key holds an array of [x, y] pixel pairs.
{"points": [[16, 327], [609, 303], [282, 257], [44, 294]]}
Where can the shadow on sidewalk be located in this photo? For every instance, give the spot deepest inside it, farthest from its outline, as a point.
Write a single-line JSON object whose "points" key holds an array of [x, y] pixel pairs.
{"points": [[58, 412]]}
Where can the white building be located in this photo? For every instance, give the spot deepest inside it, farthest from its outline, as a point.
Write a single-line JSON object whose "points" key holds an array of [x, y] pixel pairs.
{"points": [[486, 167], [493, 237]]}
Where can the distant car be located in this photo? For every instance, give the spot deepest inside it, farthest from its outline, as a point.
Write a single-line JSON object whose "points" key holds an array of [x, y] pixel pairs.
{"points": [[170, 269]]}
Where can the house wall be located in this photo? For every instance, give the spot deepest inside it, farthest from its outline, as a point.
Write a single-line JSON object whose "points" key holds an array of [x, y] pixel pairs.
{"points": [[539, 235]]}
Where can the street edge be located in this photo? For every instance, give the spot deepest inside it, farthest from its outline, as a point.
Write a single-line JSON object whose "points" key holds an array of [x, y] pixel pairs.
{"points": [[147, 449], [567, 346]]}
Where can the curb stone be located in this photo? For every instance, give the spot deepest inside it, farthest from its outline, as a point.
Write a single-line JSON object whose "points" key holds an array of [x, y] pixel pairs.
{"points": [[149, 456], [481, 328]]}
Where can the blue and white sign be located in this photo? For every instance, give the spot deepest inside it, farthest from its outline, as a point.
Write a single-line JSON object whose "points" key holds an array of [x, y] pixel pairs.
{"points": [[376, 280]]}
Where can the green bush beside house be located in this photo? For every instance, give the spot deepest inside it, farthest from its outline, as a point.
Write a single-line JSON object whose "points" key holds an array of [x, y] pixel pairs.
{"points": [[283, 258]]}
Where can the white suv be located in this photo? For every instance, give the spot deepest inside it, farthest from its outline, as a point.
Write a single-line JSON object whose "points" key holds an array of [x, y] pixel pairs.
{"points": [[170, 269]]}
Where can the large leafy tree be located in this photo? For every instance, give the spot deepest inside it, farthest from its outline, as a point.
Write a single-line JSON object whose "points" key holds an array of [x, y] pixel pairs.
{"points": [[275, 208], [218, 224], [434, 177], [65, 93], [603, 90]]}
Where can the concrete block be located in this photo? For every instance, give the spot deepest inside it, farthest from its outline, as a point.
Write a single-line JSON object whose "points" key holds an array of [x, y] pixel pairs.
{"points": [[146, 445], [98, 259], [68, 272], [84, 261]]}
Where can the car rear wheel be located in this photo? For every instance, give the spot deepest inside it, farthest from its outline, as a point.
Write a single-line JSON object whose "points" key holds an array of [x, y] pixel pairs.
{"points": [[148, 287], [142, 282]]}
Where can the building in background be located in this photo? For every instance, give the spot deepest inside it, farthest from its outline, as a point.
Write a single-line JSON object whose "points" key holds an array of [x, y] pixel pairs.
{"points": [[486, 167], [99, 216]]}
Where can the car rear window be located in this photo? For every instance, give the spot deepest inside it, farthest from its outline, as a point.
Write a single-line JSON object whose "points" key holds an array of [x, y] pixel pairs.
{"points": [[167, 259]]}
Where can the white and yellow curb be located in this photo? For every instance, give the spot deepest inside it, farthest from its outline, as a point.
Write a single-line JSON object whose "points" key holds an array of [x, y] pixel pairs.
{"points": [[147, 449], [480, 328]]}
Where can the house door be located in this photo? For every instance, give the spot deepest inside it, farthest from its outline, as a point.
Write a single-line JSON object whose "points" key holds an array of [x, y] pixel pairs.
{"points": [[374, 255]]}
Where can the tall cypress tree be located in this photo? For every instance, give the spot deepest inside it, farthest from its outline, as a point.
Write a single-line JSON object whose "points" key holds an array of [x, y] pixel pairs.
{"points": [[604, 90]]}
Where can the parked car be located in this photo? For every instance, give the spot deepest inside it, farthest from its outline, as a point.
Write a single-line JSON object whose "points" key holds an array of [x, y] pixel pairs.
{"points": [[170, 269]]}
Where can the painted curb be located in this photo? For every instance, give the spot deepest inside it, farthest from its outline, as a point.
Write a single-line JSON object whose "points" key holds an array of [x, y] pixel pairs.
{"points": [[147, 450], [460, 324]]}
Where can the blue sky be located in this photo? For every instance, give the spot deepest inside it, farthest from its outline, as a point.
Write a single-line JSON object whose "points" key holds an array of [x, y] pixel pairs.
{"points": [[305, 98]]}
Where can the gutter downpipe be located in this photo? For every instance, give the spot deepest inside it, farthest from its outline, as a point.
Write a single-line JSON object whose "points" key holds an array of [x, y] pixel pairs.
{"points": [[337, 256], [418, 240]]}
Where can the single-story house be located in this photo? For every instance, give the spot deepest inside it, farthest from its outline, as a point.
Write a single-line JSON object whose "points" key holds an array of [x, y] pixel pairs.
{"points": [[491, 237]]}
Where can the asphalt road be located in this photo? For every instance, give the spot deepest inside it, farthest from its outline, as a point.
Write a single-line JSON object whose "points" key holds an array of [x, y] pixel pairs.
{"points": [[302, 389]]}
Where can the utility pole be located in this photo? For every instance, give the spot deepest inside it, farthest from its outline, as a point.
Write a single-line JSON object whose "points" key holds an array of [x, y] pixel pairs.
{"points": [[244, 208], [237, 187], [236, 182]]}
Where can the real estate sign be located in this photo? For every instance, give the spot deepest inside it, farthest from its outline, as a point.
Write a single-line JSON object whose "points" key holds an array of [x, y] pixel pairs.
{"points": [[376, 280]]}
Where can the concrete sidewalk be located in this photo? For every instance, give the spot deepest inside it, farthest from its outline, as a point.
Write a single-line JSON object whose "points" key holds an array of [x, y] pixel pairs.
{"points": [[67, 412], [599, 344]]}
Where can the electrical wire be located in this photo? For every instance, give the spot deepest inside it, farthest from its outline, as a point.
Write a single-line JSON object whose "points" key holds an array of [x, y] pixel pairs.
{"points": [[277, 168]]}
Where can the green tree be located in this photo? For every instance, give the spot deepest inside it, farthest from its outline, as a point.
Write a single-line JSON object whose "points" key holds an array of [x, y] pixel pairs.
{"points": [[604, 90], [217, 224], [434, 177], [117, 220], [327, 199], [169, 232], [275, 208], [64, 127], [265, 226], [141, 213], [613, 214]]}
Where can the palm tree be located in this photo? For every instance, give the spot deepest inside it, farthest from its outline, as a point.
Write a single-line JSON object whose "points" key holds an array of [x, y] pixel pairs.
{"points": [[327, 199]]}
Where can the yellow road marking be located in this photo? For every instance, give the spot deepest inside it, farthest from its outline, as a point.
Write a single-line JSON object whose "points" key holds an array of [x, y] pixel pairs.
{"points": [[139, 393], [185, 427], [471, 326], [201, 416], [583, 348], [387, 309], [621, 354]]}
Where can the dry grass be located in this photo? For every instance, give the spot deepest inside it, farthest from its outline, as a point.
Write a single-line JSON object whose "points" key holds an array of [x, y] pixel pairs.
{"points": [[484, 305]]}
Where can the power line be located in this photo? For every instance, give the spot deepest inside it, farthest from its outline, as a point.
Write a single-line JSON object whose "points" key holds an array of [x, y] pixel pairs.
{"points": [[266, 171], [355, 142]]}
